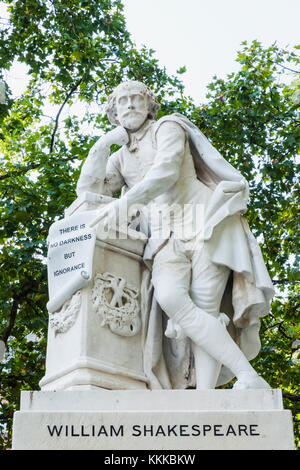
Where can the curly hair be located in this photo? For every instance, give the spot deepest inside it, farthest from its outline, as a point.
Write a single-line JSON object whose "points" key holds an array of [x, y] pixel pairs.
{"points": [[111, 108]]}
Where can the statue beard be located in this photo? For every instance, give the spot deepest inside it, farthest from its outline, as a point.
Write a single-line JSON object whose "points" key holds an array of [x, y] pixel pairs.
{"points": [[133, 120]]}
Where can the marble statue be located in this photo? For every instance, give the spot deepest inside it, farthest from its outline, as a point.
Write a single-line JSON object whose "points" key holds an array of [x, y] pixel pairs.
{"points": [[208, 277]]}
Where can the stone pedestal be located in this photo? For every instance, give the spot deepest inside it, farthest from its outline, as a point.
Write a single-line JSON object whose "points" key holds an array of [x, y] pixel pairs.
{"points": [[86, 351], [95, 339], [153, 420]]}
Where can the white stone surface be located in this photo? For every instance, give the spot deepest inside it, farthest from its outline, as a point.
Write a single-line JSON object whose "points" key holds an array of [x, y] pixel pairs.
{"points": [[156, 420], [152, 400]]}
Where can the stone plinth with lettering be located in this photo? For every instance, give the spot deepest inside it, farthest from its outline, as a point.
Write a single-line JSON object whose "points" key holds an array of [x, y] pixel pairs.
{"points": [[94, 334], [153, 420]]}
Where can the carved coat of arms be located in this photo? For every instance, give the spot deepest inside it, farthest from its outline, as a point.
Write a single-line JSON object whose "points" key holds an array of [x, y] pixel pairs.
{"points": [[117, 304]]}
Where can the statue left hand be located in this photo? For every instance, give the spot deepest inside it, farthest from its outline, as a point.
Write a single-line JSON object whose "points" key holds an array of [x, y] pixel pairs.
{"points": [[110, 214]]}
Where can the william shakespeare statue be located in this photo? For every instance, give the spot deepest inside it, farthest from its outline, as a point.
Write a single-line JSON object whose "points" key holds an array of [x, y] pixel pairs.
{"points": [[204, 260]]}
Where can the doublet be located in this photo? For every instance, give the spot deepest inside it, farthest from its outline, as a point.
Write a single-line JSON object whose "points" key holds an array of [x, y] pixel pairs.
{"points": [[160, 179], [157, 173]]}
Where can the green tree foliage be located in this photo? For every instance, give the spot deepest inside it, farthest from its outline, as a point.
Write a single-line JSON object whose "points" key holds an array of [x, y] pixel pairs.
{"points": [[76, 52]]}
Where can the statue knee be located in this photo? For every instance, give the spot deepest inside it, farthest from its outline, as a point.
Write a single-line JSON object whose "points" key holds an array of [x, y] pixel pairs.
{"points": [[170, 298]]}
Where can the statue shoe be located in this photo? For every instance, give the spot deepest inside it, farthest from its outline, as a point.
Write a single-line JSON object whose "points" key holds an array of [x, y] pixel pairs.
{"points": [[248, 380]]}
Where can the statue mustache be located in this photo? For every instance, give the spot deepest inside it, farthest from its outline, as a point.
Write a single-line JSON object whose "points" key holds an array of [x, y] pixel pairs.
{"points": [[130, 113]]}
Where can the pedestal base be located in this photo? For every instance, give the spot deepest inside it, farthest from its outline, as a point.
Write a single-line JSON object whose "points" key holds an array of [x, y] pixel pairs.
{"points": [[153, 420]]}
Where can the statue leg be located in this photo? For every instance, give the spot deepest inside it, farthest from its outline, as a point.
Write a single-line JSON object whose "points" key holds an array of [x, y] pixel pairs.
{"points": [[206, 367], [171, 278], [208, 283]]}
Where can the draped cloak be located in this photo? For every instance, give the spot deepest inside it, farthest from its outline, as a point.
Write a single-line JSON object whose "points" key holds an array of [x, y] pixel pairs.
{"points": [[168, 363]]}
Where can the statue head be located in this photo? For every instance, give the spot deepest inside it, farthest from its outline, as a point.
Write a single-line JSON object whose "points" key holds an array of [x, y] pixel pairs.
{"points": [[130, 104]]}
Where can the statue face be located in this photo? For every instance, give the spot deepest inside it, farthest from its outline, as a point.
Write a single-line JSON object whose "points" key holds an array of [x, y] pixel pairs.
{"points": [[132, 105]]}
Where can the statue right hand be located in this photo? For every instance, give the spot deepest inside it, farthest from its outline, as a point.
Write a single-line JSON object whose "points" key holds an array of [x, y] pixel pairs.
{"points": [[117, 136]]}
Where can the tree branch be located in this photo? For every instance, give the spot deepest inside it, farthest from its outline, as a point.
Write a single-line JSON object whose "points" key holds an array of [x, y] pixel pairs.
{"points": [[24, 170], [280, 327], [59, 112], [20, 171], [17, 301], [286, 68], [283, 281], [12, 319], [56, 120], [291, 396]]}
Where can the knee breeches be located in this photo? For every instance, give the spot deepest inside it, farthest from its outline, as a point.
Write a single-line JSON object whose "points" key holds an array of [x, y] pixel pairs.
{"points": [[183, 277]]}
